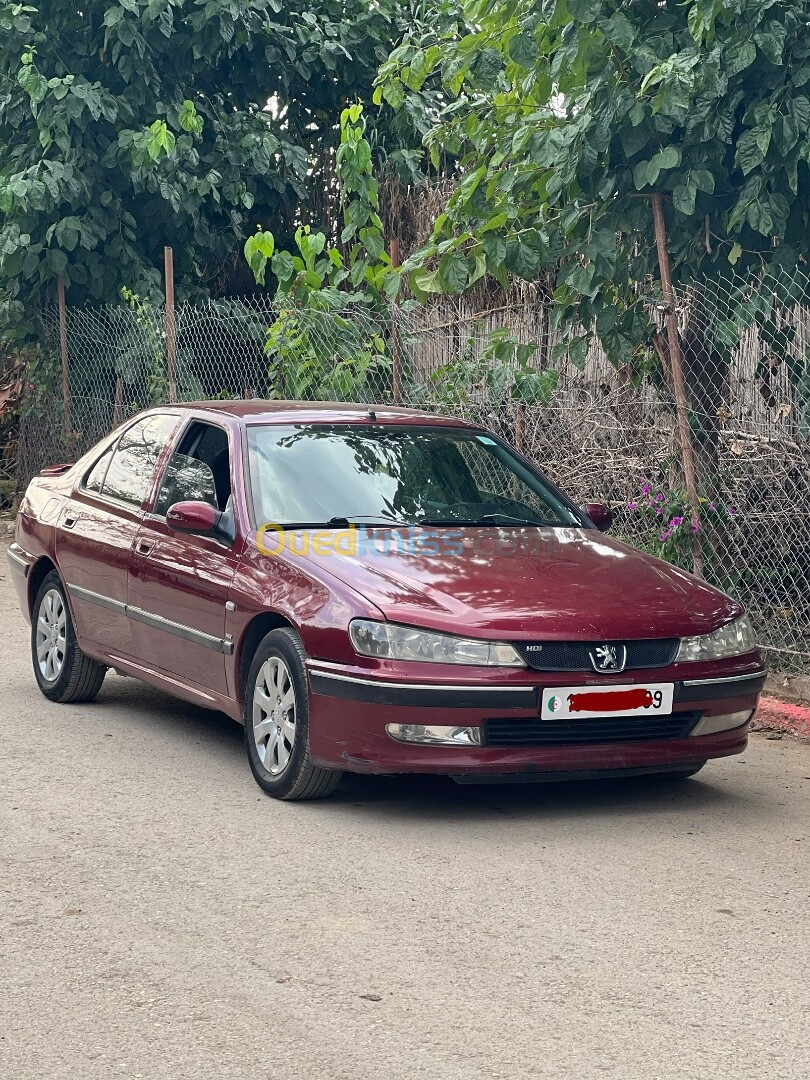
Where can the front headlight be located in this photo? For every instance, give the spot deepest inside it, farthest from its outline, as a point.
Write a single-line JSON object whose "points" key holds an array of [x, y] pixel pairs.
{"points": [[395, 642], [734, 639]]}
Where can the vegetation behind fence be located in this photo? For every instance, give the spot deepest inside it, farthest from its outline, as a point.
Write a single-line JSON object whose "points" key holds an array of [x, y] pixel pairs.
{"points": [[603, 432]]}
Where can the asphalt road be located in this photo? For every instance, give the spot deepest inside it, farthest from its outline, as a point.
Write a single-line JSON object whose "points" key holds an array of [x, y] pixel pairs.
{"points": [[159, 917]]}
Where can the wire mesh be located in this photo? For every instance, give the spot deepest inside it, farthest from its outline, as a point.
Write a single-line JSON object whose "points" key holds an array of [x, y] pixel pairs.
{"points": [[602, 431]]}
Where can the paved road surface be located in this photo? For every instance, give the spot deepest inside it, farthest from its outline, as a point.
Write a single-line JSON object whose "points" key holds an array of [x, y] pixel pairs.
{"points": [[159, 917]]}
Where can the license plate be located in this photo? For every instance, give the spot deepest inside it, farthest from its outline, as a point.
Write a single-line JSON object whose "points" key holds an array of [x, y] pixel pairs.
{"points": [[570, 702]]}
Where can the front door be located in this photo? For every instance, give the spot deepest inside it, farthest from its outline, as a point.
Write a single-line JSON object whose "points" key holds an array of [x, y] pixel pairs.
{"points": [[178, 584]]}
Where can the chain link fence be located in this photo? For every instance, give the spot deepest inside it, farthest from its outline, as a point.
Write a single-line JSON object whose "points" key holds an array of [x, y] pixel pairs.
{"points": [[602, 431]]}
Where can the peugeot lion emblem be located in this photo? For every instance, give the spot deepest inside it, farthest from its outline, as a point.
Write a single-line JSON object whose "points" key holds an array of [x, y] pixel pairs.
{"points": [[608, 657]]}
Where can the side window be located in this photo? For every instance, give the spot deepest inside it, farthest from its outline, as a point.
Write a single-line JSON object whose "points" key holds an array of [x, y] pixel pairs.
{"points": [[130, 470], [200, 469]]}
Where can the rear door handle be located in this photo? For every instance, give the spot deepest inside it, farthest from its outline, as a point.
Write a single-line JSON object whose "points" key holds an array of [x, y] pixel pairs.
{"points": [[144, 547], [69, 521]]}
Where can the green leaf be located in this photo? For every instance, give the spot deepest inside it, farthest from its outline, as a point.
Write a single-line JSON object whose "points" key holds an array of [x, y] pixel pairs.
{"points": [[749, 153], [495, 249], [738, 56], [759, 217], [619, 31], [668, 158], [772, 41], [523, 50], [522, 258], [283, 266], [683, 196], [641, 172], [453, 272], [585, 10], [425, 282], [734, 254]]}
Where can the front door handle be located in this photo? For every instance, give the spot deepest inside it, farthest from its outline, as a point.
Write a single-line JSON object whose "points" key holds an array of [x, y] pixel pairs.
{"points": [[144, 547], [69, 521]]}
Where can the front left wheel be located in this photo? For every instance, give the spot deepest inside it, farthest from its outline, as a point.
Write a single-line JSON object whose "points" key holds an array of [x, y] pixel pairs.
{"points": [[62, 670], [277, 722]]}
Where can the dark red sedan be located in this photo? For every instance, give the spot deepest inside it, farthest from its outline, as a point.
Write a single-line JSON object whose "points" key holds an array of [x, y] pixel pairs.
{"points": [[374, 590]]}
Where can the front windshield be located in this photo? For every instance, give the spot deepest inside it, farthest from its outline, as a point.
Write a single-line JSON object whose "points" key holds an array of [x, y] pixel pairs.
{"points": [[317, 474]]}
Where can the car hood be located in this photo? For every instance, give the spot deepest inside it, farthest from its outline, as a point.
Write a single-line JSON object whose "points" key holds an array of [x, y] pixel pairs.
{"points": [[569, 583]]}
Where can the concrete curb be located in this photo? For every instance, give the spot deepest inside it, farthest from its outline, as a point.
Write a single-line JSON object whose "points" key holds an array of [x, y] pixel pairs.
{"points": [[776, 715]]}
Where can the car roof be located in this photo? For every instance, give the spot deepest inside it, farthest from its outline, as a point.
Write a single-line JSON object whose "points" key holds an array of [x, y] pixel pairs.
{"points": [[257, 411]]}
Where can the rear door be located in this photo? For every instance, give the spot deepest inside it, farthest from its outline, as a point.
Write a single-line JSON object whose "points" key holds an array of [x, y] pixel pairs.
{"points": [[98, 527], [178, 584]]}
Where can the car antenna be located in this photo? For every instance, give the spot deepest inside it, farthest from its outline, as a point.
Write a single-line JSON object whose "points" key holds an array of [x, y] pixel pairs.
{"points": [[372, 415]]}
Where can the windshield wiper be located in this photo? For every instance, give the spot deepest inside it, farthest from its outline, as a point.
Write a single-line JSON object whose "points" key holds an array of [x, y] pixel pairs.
{"points": [[340, 522], [487, 519]]}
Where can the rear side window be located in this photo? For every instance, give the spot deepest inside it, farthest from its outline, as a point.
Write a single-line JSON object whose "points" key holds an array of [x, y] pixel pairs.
{"points": [[125, 472]]}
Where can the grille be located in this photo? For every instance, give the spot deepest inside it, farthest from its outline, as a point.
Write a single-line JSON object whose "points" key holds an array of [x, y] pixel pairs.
{"points": [[580, 732], [574, 655]]}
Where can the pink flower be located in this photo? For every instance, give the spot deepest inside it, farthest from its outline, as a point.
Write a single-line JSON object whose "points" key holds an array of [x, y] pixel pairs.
{"points": [[632, 505], [674, 522], [712, 506], [731, 511], [695, 527], [646, 489], [660, 496], [659, 512]]}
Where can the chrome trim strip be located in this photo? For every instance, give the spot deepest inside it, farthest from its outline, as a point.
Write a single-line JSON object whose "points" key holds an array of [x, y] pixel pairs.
{"points": [[118, 606], [421, 686], [15, 561], [198, 637], [725, 678], [188, 633]]}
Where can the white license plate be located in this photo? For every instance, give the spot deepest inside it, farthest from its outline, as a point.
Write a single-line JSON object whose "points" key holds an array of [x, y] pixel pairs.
{"points": [[570, 702]]}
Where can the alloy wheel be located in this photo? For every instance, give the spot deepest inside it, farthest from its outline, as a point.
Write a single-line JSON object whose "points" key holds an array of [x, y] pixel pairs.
{"points": [[50, 641], [274, 715]]}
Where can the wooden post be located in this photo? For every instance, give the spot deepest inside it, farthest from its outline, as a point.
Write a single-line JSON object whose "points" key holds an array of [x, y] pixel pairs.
{"points": [[63, 352], [396, 341], [171, 330], [678, 382]]}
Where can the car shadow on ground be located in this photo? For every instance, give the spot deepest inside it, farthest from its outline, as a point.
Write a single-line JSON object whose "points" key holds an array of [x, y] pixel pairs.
{"points": [[423, 796]]}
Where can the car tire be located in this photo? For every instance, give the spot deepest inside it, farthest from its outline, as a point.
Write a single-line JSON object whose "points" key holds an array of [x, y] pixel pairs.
{"points": [[276, 720], [62, 670]]}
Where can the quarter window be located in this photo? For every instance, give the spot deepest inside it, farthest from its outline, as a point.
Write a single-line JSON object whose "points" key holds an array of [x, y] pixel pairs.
{"points": [[128, 472]]}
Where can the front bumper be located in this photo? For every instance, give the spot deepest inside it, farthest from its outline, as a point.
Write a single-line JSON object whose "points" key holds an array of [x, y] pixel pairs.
{"points": [[357, 722]]}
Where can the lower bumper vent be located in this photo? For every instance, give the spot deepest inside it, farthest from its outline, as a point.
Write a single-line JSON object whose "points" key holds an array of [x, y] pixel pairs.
{"points": [[602, 729]]}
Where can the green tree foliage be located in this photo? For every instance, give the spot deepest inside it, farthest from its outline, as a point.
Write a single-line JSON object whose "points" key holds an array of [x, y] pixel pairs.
{"points": [[129, 124], [567, 114], [327, 341]]}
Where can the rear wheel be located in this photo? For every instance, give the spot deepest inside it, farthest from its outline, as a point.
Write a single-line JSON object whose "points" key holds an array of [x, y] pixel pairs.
{"points": [[277, 722], [61, 669]]}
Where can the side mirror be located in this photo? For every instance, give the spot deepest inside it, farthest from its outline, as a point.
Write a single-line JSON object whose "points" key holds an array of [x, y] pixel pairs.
{"points": [[201, 519], [600, 515]]}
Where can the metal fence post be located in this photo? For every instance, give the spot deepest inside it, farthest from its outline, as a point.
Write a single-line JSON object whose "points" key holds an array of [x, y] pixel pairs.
{"points": [[396, 343], [171, 330], [63, 353]]}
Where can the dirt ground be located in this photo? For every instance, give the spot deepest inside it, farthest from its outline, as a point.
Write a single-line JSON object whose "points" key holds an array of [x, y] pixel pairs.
{"points": [[161, 918]]}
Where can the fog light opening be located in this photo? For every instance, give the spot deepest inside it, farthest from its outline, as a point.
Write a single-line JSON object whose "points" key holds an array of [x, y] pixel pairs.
{"points": [[724, 722], [435, 734]]}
